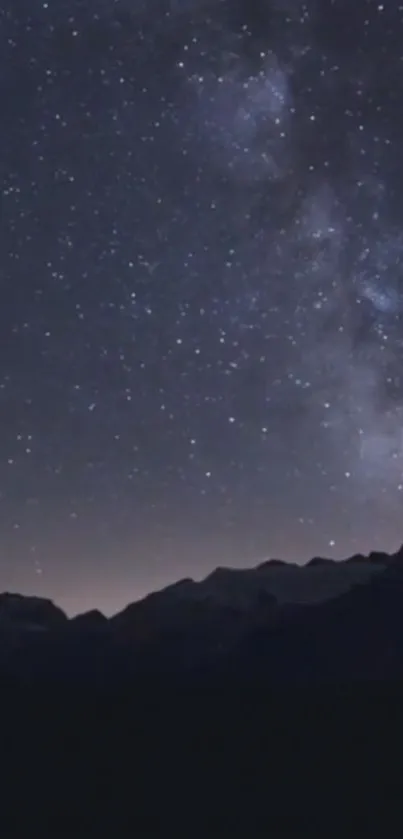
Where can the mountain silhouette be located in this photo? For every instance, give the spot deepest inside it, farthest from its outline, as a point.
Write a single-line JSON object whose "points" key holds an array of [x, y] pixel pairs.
{"points": [[262, 701], [277, 622]]}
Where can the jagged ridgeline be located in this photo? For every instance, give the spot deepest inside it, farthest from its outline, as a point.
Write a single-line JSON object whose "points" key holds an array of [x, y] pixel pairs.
{"points": [[276, 622]]}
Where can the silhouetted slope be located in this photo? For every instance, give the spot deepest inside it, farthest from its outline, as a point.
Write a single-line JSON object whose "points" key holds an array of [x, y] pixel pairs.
{"points": [[277, 623], [316, 750], [356, 636]]}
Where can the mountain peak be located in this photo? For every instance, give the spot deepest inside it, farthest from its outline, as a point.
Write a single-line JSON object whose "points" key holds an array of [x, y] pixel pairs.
{"points": [[30, 610], [274, 618]]}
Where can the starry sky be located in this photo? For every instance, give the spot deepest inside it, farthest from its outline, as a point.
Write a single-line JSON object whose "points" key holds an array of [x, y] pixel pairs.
{"points": [[201, 274]]}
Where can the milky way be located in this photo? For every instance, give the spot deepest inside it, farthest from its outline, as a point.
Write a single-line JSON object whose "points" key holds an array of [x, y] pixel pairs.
{"points": [[201, 266]]}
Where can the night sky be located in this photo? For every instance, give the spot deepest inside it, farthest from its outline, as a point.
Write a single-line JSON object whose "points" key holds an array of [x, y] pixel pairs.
{"points": [[201, 274]]}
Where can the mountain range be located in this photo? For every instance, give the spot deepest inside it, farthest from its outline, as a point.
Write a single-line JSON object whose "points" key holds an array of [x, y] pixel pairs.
{"points": [[276, 623]]}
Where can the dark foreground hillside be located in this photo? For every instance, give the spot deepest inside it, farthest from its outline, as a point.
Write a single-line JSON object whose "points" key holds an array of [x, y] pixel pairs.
{"points": [[185, 763], [242, 706]]}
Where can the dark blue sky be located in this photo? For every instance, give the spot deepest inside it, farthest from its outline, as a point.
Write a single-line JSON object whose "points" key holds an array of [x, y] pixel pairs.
{"points": [[201, 289]]}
